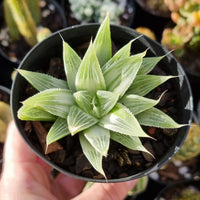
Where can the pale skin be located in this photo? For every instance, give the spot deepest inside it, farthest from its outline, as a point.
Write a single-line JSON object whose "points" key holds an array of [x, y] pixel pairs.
{"points": [[27, 177]]}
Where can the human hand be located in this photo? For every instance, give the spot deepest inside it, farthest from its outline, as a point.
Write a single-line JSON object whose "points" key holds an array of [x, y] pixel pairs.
{"points": [[26, 177]]}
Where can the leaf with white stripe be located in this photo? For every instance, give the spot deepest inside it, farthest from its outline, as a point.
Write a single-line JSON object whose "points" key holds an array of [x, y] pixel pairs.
{"points": [[79, 120], [121, 120], [106, 100], [99, 138], [54, 101], [120, 75], [148, 64], [89, 76], [102, 42], [156, 118], [58, 130], [84, 100], [93, 156], [122, 53], [143, 84], [30, 113], [42, 81], [71, 62], [128, 141], [137, 104]]}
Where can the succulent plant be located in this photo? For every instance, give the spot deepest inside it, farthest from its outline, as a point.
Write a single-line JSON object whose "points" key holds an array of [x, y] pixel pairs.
{"points": [[102, 98], [22, 18], [95, 11], [189, 193], [186, 32]]}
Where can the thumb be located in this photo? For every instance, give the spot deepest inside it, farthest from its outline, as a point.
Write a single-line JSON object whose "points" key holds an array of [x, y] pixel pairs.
{"points": [[107, 191]]}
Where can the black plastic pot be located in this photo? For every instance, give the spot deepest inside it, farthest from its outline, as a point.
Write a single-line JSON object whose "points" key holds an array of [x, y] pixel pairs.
{"points": [[6, 92], [39, 57], [176, 188], [2, 21]]}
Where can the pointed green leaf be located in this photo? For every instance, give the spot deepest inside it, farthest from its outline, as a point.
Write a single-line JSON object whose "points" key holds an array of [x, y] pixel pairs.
{"points": [[156, 118], [99, 138], [54, 101], [107, 101], [122, 53], [78, 120], [102, 42], [84, 100], [42, 81], [143, 84], [89, 76], [148, 64], [121, 120], [93, 156], [34, 114], [137, 104], [128, 141], [71, 62], [58, 130], [120, 75]]}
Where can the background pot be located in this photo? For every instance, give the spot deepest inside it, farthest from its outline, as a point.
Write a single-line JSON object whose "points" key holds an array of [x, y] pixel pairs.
{"points": [[5, 97], [76, 35], [58, 9]]}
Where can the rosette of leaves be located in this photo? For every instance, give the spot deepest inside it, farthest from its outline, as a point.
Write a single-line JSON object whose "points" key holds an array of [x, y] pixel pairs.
{"points": [[102, 98]]}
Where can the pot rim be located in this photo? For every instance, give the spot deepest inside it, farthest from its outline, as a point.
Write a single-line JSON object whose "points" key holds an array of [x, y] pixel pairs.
{"points": [[159, 163]]}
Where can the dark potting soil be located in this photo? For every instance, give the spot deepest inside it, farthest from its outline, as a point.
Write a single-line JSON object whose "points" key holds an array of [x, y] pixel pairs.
{"points": [[16, 51], [121, 161]]}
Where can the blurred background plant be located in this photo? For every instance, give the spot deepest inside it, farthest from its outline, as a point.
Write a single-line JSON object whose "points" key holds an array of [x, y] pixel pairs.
{"points": [[22, 18], [5, 118], [96, 10], [185, 35]]}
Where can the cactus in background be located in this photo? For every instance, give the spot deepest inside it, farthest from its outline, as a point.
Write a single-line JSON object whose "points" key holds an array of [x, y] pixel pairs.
{"points": [[5, 118], [95, 11], [186, 33], [22, 18]]}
